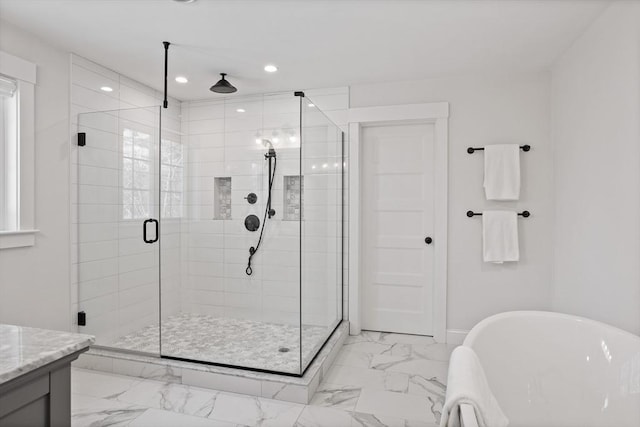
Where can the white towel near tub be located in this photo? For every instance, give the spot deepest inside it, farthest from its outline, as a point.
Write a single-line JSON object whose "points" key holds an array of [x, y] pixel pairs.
{"points": [[500, 236], [502, 172], [467, 384]]}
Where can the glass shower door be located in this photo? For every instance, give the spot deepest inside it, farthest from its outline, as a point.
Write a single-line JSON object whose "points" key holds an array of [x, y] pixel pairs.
{"points": [[118, 256]]}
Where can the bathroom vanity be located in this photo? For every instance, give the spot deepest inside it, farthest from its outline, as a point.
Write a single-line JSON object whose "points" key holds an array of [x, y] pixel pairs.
{"points": [[35, 375]]}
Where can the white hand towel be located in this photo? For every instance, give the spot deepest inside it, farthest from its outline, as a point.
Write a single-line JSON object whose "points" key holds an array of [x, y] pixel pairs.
{"points": [[467, 383], [502, 172], [500, 236]]}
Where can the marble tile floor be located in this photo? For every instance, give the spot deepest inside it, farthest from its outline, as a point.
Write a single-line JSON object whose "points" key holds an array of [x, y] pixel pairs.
{"points": [[378, 380], [239, 342]]}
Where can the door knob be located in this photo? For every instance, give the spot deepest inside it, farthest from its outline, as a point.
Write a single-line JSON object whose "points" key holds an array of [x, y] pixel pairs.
{"points": [[428, 240]]}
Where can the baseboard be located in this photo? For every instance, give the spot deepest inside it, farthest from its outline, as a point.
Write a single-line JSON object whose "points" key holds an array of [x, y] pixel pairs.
{"points": [[456, 336]]}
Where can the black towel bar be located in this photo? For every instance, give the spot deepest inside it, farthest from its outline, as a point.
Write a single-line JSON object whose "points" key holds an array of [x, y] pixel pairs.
{"points": [[524, 214], [470, 150]]}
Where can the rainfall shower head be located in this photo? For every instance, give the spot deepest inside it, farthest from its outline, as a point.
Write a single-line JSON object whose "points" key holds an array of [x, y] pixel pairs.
{"points": [[223, 86]]}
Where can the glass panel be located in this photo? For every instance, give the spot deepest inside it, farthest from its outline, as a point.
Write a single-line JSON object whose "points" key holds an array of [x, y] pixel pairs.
{"points": [[221, 314], [175, 331], [321, 228], [118, 275]]}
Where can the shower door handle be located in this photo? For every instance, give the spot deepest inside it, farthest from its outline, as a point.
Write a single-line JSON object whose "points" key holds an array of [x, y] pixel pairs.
{"points": [[144, 230]]}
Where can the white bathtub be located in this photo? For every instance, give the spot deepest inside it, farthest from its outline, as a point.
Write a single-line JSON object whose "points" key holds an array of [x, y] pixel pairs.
{"points": [[551, 369]]}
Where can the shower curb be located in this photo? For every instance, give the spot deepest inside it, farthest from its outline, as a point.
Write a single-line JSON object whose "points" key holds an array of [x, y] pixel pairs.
{"points": [[235, 380]]}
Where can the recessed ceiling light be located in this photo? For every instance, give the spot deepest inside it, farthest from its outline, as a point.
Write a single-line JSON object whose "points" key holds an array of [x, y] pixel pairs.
{"points": [[106, 89], [240, 110], [270, 68], [182, 79]]}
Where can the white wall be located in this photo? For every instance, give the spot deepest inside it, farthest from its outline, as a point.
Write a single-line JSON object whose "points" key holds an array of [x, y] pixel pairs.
{"points": [[596, 132], [500, 109], [34, 281]]}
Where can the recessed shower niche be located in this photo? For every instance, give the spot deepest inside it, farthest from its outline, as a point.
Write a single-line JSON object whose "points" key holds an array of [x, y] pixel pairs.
{"points": [[293, 198], [222, 198]]}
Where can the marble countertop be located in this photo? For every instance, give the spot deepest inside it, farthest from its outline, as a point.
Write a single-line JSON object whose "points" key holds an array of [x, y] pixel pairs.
{"points": [[24, 349]]}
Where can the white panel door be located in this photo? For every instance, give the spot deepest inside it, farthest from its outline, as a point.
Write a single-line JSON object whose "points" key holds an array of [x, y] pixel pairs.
{"points": [[398, 215]]}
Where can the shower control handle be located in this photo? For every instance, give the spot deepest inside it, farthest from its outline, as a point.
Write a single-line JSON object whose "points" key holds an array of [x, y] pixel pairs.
{"points": [[428, 240], [252, 222]]}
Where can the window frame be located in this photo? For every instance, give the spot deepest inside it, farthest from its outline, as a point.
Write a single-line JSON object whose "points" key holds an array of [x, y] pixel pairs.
{"points": [[24, 72]]}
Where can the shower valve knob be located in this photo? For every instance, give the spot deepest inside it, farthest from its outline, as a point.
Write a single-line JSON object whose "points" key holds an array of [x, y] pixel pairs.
{"points": [[251, 198]]}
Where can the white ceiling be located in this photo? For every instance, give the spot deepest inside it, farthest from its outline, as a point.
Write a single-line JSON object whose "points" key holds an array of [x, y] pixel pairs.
{"points": [[315, 43]]}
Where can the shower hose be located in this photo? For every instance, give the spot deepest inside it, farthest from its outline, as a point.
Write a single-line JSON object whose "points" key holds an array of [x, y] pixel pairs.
{"points": [[252, 249]]}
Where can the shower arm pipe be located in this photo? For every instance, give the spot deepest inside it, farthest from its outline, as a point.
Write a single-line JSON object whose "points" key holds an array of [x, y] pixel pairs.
{"points": [[165, 103]]}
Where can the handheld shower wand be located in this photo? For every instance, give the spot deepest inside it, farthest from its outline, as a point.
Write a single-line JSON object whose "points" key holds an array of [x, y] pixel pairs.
{"points": [[271, 154]]}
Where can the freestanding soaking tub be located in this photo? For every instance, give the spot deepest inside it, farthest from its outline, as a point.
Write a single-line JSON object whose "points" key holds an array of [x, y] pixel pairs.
{"points": [[557, 370]]}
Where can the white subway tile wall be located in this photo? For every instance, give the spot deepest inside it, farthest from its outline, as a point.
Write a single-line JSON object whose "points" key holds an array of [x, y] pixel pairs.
{"points": [[204, 251]]}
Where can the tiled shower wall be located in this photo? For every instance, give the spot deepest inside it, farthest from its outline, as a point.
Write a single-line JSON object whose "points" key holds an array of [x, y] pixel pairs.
{"points": [[114, 273], [224, 140], [203, 259]]}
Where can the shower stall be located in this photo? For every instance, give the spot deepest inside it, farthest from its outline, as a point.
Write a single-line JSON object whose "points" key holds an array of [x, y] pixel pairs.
{"points": [[216, 237]]}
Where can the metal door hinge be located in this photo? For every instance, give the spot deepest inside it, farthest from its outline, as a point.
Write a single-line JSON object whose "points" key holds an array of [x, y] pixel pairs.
{"points": [[82, 318]]}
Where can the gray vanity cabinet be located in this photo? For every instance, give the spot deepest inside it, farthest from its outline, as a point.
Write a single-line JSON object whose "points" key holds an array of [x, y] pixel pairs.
{"points": [[41, 397]]}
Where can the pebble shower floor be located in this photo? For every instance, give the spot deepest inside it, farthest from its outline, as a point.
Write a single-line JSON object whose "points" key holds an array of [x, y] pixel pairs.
{"points": [[228, 341]]}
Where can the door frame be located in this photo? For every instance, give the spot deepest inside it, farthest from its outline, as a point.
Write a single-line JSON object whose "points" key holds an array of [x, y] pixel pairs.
{"points": [[436, 113]]}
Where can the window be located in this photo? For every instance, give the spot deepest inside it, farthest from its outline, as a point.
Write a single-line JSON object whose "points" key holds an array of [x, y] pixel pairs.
{"points": [[172, 169], [8, 154], [17, 144], [138, 190], [136, 174]]}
